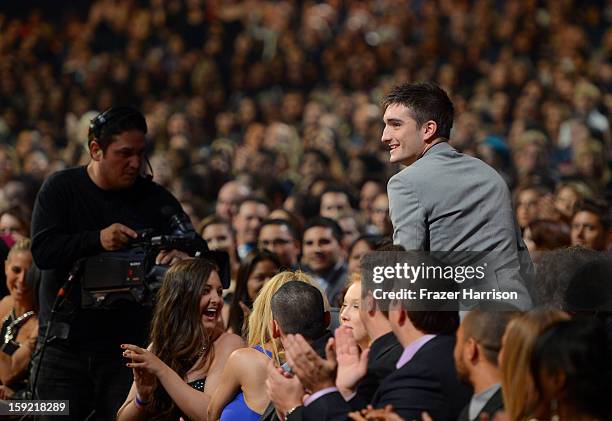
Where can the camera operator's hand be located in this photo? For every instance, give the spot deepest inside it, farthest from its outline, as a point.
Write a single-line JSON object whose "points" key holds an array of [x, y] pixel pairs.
{"points": [[116, 236], [170, 257]]}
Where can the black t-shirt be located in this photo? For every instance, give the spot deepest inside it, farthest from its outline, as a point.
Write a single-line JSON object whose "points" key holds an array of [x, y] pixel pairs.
{"points": [[69, 213]]}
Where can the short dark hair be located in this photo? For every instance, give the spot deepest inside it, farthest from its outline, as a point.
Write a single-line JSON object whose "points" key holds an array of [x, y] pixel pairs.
{"points": [[283, 222], [298, 307], [337, 188], [425, 101], [597, 207], [435, 322], [115, 120], [487, 328], [579, 349], [321, 221]]}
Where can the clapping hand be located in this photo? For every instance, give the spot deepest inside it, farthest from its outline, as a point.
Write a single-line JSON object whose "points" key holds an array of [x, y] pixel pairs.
{"points": [[314, 372], [284, 389], [145, 368], [352, 366]]}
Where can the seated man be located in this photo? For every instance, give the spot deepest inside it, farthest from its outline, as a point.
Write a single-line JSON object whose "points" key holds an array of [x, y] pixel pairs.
{"points": [[298, 307], [281, 238], [590, 228], [251, 212], [323, 256], [425, 379], [479, 341]]}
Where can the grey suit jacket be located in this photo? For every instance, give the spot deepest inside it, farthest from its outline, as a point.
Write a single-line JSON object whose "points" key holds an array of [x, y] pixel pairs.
{"points": [[451, 202]]}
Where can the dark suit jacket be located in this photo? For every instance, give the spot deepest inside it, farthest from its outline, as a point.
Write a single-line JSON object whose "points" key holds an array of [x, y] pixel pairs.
{"points": [[494, 404], [319, 346], [428, 382], [384, 353]]}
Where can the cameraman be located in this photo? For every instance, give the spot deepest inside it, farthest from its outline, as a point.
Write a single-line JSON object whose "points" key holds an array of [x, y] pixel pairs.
{"points": [[81, 212]]}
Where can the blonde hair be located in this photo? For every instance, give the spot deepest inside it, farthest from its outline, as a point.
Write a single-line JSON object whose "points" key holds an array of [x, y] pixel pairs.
{"points": [[260, 319], [518, 388], [20, 246]]}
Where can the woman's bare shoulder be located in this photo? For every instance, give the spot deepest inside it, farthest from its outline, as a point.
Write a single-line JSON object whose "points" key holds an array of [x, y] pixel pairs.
{"points": [[6, 305], [228, 341]]}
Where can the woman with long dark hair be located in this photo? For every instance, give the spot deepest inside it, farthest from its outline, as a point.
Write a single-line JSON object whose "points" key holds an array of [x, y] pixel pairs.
{"points": [[180, 370], [254, 271]]}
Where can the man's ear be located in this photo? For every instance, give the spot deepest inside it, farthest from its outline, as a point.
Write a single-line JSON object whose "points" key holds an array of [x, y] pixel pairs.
{"points": [[370, 304], [428, 130], [95, 151], [403, 317], [472, 349], [276, 330]]}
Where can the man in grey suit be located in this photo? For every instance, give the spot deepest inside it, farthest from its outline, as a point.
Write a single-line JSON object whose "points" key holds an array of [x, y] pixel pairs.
{"points": [[444, 200]]}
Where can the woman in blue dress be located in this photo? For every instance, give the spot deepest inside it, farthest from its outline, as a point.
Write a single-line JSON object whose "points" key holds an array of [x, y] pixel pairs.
{"points": [[242, 394]]}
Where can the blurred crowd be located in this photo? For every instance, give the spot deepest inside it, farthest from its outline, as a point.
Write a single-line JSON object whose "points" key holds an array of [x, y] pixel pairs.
{"points": [[264, 120], [281, 95]]}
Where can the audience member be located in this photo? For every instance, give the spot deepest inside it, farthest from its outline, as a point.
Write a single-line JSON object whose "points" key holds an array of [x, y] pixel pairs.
{"points": [[182, 367], [571, 368], [14, 224], [479, 340], [568, 196], [231, 194], [384, 351], [254, 271], [573, 279], [350, 312], [290, 304], [590, 227], [19, 322], [245, 370], [323, 256], [249, 216], [425, 379], [335, 201], [518, 389], [280, 237], [281, 100], [545, 235], [380, 215], [350, 229], [359, 248], [219, 235]]}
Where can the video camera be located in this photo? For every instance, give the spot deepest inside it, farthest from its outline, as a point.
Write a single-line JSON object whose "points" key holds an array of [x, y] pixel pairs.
{"points": [[132, 275]]}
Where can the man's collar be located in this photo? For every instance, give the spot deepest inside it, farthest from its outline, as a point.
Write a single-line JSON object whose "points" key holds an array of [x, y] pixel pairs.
{"points": [[435, 145]]}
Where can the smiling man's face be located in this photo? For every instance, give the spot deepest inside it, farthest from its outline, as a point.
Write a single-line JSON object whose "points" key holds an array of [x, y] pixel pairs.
{"points": [[406, 141]]}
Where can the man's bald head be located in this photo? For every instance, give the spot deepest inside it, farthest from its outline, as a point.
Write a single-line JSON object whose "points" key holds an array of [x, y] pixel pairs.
{"points": [[230, 195]]}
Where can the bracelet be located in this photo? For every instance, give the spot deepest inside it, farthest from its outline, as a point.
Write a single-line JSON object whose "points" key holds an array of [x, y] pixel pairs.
{"points": [[139, 402], [291, 411]]}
